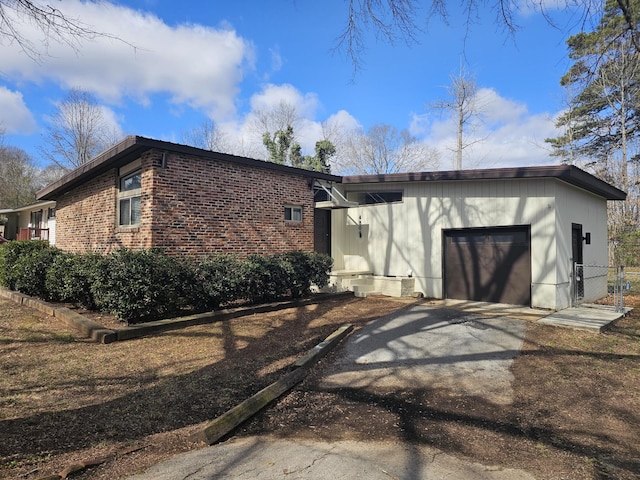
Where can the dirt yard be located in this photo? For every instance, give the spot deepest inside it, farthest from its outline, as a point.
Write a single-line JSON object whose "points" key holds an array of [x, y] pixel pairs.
{"points": [[128, 405]]}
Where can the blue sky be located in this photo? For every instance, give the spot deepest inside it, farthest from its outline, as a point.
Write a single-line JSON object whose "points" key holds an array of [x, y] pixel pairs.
{"points": [[222, 60]]}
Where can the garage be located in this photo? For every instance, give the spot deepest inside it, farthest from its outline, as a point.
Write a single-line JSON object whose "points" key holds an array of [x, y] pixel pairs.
{"points": [[488, 264]]}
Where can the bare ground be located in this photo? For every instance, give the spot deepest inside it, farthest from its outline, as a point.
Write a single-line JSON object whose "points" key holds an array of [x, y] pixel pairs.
{"points": [[63, 400]]}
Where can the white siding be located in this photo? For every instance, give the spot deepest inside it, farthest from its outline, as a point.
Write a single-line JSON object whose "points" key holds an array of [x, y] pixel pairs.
{"points": [[578, 206], [393, 238]]}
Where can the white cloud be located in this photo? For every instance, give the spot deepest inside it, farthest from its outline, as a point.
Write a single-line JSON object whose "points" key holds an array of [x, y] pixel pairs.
{"points": [[112, 122], [15, 117], [343, 120], [271, 96], [196, 65], [496, 109]]}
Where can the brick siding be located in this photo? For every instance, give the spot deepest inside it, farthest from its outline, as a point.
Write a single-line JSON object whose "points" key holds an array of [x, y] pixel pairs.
{"points": [[195, 206]]}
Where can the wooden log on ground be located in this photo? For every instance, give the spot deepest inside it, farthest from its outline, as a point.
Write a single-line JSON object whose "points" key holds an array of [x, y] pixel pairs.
{"points": [[222, 425], [218, 428]]}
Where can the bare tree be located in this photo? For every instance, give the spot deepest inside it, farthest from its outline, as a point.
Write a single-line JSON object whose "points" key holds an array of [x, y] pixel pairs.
{"points": [[384, 149], [464, 107], [18, 176], [78, 131], [54, 25], [208, 136], [50, 174], [398, 20], [277, 118]]}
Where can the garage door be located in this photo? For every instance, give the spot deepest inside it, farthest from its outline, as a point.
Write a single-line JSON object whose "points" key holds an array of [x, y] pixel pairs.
{"points": [[488, 265]]}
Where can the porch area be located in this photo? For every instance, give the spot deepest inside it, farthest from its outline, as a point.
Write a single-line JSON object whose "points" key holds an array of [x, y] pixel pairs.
{"points": [[33, 234]]}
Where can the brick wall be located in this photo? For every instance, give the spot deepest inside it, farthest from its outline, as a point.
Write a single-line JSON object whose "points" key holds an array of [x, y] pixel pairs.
{"points": [[202, 206], [194, 206]]}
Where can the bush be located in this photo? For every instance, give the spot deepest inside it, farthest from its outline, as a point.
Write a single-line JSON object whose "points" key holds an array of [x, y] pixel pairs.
{"points": [[10, 252], [143, 285], [320, 268], [138, 286], [217, 282], [69, 278], [30, 272], [298, 267], [264, 278]]}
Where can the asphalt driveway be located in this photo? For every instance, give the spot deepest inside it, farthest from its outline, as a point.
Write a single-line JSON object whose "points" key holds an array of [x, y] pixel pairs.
{"points": [[424, 346]]}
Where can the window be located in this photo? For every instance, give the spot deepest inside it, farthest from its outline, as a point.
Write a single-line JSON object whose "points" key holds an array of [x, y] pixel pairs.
{"points": [[129, 199], [292, 214], [372, 198], [36, 219]]}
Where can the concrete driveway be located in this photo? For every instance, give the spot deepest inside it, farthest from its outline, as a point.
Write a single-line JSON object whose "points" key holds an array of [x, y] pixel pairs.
{"points": [[423, 346], [433, 347]]}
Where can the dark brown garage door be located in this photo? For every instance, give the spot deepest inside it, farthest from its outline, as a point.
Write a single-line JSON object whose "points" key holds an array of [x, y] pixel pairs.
{"points": [[488, 265]]}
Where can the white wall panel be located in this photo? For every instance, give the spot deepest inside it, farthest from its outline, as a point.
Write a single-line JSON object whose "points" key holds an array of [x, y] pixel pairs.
{"points": [[390, 239]]}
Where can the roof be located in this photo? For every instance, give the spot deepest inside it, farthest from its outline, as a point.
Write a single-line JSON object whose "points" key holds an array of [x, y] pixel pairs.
{"points": [[132, 147], [31, 206], [567, 173]]}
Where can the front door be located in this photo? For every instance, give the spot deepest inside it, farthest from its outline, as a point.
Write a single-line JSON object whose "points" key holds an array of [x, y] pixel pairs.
{"points": [[322, 231], [577, 258]]}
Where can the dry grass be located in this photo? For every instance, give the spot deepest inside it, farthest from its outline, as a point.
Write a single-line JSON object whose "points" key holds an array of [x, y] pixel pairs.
{"points": [[62, 399]]}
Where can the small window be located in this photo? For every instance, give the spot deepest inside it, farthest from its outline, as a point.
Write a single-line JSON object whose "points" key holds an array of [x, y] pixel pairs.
{"points": [[129, 199], [373, 198], [131, 182], [130, 211], [292, 214]]}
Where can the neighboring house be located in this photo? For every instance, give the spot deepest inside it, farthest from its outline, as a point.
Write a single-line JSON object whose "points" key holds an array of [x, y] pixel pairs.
{"points": [[500, 235], [149, 193], [31, 222]]}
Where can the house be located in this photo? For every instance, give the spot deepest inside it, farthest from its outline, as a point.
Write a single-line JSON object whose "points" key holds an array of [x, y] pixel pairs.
{"points": [[148, 193], [36, 221], [498, 235]]}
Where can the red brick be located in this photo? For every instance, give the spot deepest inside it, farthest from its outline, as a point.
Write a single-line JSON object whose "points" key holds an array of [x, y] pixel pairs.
{"points": [[195, 206]]}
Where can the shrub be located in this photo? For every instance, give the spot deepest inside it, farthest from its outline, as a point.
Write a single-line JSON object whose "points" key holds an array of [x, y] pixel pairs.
{"points": [[298, 266], [264, 278], [30, 271], [143, 285], [320, 267], [138, 286], [217, 282], [69, 278], [10, 252]]}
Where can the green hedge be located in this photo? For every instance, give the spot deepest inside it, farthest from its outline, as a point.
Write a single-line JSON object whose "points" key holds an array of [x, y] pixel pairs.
{"points": [[10, 253], [70, 276], [139, 285], [146, 285], [218, 281]]}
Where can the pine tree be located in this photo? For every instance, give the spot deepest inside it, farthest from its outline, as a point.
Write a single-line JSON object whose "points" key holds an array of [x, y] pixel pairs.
{"points": [[602, 121]]}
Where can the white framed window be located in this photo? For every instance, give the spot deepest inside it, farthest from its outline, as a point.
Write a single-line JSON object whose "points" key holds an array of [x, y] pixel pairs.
{"points": [[292, 213], [129, 196]]}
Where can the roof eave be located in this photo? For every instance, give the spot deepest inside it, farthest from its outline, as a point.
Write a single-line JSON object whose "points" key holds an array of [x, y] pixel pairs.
{"points": [[133, 146], [568, 173]]}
